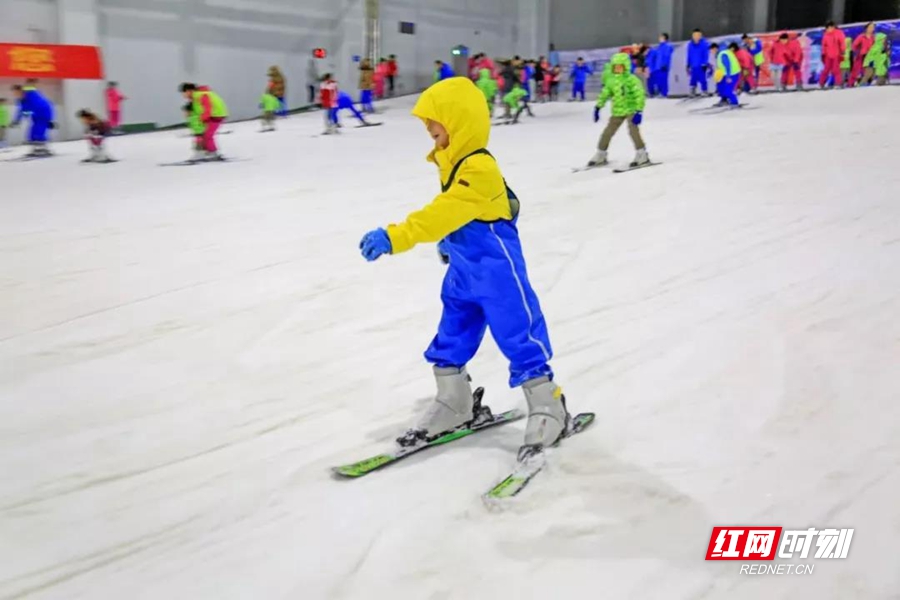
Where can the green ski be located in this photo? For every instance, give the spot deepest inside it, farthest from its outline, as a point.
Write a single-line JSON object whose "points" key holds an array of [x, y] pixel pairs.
{"points": [[366, 466], [530, 464]]}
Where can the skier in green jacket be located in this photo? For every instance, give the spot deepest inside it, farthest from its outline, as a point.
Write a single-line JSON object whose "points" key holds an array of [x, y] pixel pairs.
{"points": [[877, 61], [626, 91], [488, 86], [517, 100], [847, 62], [197, 127], [270, 105]]}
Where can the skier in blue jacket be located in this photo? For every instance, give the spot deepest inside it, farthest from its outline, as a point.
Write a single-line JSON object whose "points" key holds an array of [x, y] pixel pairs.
{"points": [[579, 75], [442, 71], [663, 64], [698, 61], [651, 62], [40, 110]]}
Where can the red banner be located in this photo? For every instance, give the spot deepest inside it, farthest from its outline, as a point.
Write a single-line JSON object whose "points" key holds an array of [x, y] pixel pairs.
{"points": [[42, 61]]}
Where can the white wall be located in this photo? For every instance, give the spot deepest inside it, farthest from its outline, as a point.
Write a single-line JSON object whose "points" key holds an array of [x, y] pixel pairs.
{"points": [[150, 47], [500, 28], [580, 24]]}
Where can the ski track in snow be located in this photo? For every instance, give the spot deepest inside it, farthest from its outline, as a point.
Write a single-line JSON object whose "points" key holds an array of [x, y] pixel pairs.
{"points": [[185, 352]]}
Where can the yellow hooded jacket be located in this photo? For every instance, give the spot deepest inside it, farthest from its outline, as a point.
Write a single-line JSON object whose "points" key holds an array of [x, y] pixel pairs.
{"points": [[477, 191]]}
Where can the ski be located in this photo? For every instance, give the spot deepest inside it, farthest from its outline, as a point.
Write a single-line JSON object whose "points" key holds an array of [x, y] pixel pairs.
{"points": [[716, 109], [379, 461], [637, 168], [588, 168], [530, 464], [369, 125], [191, 163], [28, 157]]}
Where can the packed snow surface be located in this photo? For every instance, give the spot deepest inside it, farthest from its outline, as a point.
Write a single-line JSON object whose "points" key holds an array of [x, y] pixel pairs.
{"points": [[185, 351]]}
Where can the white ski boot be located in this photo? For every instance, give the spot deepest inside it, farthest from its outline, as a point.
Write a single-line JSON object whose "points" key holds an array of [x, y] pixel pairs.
{"points": [[641, 159], [599, 159], [197, 156], [213, 157], [453, 406], [548, 418]]}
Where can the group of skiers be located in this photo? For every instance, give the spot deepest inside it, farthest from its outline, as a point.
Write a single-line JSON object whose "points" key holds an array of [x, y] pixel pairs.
{"points": [[846, 62]]}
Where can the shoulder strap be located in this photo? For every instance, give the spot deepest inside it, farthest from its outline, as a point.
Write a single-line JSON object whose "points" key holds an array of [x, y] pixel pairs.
{"points": [[513, 199], [446, 186]]}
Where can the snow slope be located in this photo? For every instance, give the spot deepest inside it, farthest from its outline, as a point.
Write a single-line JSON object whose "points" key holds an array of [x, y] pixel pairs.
{"points": [[185, 351]]}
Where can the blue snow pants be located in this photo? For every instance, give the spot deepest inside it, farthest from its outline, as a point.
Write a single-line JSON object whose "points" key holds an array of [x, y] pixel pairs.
{"points": [[38, 131], [661, 82], [486, 286], [578, 89], [365, 99], [698, 77], [726, 88]]}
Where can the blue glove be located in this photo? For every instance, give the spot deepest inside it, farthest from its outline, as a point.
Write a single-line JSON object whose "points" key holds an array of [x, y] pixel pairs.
{"points": [[596, 114], [374, 244], [637, 118]]}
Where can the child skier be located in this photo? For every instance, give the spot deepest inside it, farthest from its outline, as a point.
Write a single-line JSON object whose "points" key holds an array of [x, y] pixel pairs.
{"points": [[114, 100], [95, 131], [196, 126], [270, 105], [486, 285], [698, 62], [4, 123], [547, 81], [626, 90], [579, 76], [746, 81], [834, 45], [40, 110], [366, 83], [847, 62], [778, 59], [663, 65], [211, 110], [728, 71], [442, 71], [794, 63], [555, 81], [755, 47], [877, 61], [345, 102], [517, 100], [861, 46], [328, 99], [379, 77], [488, 87], [277, 87]]}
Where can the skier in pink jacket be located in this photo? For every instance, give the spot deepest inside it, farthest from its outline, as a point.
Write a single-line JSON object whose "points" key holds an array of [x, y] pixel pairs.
{"points": [[114, 104], [861, 46], [834, 43], [778, 60], [795, 63]]}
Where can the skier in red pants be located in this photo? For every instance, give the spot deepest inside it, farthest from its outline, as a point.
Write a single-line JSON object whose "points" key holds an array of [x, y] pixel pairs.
{"points": [[212, 111], [834, 43]]}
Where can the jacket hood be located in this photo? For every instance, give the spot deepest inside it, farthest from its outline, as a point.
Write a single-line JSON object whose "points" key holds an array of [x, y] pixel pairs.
{"points": [[880, 37], [459, 106], [620, 58], [484, 74]]}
